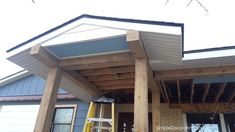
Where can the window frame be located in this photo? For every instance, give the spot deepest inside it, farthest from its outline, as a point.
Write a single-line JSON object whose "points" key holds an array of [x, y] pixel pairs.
{"points": [[74, 106]]}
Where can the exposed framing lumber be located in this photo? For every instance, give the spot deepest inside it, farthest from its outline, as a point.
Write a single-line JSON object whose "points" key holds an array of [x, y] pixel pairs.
{"points": [[100, 61], [178, 90], [221, 90], [119, 87], [192, 92], [206, 91], [45, 57], [46, 110], [165, 91], [231, 96], [114, 82], [194, 73], [112, 77], [204, 108], [141, 96], [156, 110], [135, 44], [105, 71]]}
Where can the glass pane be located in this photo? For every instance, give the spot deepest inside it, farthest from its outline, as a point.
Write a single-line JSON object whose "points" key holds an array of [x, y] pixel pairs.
{"points": [[204, 127], [63, 115], [61, 128]]}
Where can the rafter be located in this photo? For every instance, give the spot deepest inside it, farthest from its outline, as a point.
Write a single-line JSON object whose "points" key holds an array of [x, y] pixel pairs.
{"points": [[192, 92], [232, 95], [221, 90], [82, 86], [205, 107], [99, 61], [165, 91], [178, 90], [111, 77], [206, 91], [194, 73]]}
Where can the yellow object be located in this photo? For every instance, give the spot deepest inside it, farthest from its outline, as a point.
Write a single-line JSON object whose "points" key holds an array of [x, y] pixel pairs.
{"points": [[91, 121]]}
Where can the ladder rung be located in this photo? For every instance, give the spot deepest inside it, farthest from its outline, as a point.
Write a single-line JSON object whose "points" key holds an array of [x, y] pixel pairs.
{"points": [[100, 120], [102, 127]]}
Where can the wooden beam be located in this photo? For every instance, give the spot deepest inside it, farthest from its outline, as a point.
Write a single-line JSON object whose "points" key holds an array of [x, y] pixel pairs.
{"points": [[112, 77], [105, 71], [99, 61], [165, 91], [114, 82], [205, 107], [141, 96], [156, 110], [46, 110], [82, 82], [206, 91], [194, 73], [192, 92], [117, 87], [178, 90], [44, 56], [135, 44], [221, 90], [232, 95]]}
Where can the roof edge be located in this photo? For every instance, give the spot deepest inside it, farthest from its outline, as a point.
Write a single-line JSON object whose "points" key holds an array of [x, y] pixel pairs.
{"points": [[163, 23]]}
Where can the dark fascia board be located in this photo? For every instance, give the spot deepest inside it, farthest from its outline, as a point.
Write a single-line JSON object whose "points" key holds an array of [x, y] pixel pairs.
{"points": [[209, 49], [162, 23]]}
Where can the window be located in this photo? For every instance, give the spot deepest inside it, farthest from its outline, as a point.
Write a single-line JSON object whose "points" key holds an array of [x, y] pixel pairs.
{"points": [[203, 122], [63, 119]]}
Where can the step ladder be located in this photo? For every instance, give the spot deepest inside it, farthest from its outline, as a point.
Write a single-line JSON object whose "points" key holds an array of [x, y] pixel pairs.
{"points": [[93, 124]]}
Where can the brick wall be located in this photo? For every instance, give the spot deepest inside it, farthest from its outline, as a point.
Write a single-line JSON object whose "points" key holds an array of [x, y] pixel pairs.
{"points": [[171, 119]]}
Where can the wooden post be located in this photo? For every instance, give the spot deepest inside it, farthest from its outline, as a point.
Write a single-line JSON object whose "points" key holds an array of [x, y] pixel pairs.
{"points": [[46, 110], [141, 96], [156, 110]]}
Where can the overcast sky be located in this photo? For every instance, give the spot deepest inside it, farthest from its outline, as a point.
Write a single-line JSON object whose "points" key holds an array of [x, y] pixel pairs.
{"points": [[23, 19]]}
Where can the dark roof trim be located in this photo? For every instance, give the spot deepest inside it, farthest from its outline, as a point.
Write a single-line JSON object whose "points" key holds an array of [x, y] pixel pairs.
{"points": [[209, 49], [11, 75], [103, 18]]}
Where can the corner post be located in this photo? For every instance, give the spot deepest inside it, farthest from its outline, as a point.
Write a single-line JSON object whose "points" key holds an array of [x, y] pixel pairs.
{"points": [[141, 96], [47, 105], [156, 110]]}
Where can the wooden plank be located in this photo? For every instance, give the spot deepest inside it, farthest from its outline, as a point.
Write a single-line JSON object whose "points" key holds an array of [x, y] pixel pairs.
{"points": [[192, 92], [99, 61], [112, 77], [116, 87], [135, 44], [221, 90], [105, 71], [206, 91], [204, 107], [82, 82], [44, 56], [194, 73], [156, 110], [232, 95], [178, 90], [114, 82], [47, 105], [165, 91], [141, 96]]}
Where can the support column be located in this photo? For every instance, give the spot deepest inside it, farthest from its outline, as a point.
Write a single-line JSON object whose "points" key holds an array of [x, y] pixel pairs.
{"points": [[156, 110], [141, 96], [47, 106]]}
